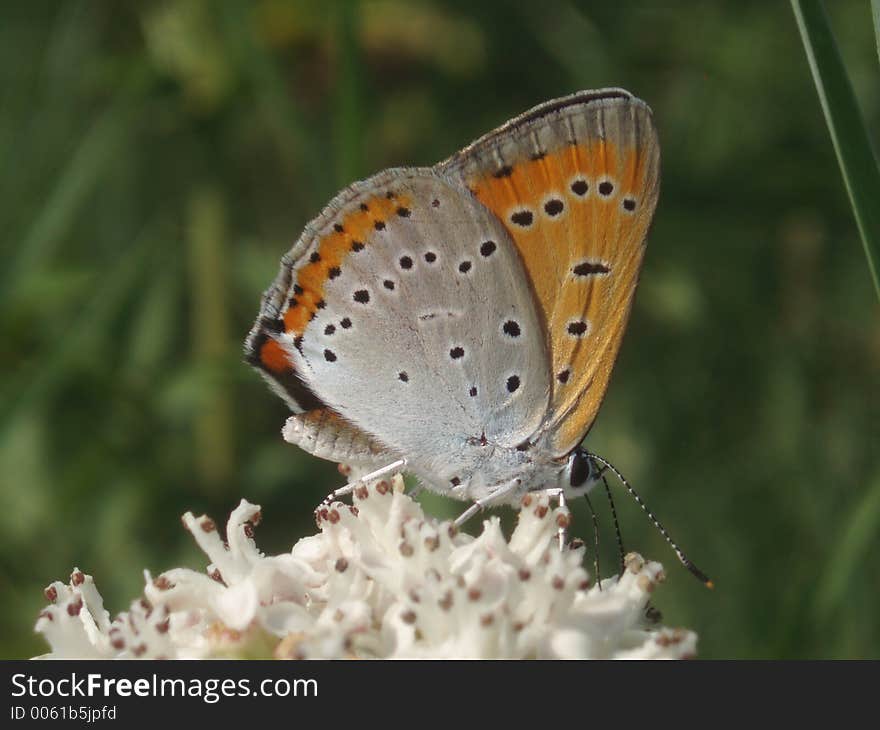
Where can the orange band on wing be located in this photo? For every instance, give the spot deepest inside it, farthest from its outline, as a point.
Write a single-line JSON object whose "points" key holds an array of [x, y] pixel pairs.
{"points": [[350, 234], [531, 183], [578, 215]]}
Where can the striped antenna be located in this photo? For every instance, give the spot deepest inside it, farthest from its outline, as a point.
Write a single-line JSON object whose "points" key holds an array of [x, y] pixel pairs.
{"points": [[621, 553], [685, 561], [595, 542]]}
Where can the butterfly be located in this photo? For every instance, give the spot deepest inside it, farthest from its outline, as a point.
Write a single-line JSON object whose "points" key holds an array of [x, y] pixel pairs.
{"points": [[461, 322]]}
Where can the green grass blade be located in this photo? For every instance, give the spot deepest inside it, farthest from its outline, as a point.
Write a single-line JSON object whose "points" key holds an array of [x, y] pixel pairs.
{"points": [[214, 423], [848, 133]]}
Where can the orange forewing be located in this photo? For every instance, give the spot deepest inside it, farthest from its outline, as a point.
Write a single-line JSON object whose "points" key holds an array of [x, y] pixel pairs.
{"points": [[599, 231]]}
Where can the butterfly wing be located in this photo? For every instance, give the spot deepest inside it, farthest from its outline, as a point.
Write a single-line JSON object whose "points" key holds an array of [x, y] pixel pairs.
{"points": [[575, 182], [406, 296]]}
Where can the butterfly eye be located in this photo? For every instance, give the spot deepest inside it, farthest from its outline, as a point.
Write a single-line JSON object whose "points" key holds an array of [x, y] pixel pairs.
{"points": [[580, 468]]}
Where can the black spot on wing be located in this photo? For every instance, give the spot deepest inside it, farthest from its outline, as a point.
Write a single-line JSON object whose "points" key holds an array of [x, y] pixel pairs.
{"points": [[580, 188], [523, 218], [590, 268], [554, 207]]}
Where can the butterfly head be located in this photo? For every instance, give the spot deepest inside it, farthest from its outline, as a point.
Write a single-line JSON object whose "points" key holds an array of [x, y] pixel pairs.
{"points": [[581, 473]]}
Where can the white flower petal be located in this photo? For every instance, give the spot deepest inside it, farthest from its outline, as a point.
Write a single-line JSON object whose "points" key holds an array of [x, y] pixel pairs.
{"points": [[380, 580]]}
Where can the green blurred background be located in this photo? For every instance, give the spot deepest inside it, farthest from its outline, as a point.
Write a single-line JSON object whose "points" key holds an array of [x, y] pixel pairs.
{"points": [[157, 158]]}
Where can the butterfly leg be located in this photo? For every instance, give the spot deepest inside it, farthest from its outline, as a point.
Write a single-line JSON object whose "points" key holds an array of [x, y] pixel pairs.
{"points": [[562, 532], [351, 486], [497, 496], [468, 513]]}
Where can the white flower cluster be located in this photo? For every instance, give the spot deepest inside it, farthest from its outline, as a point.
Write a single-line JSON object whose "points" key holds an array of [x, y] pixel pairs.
{"points": [[379, 580]]}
